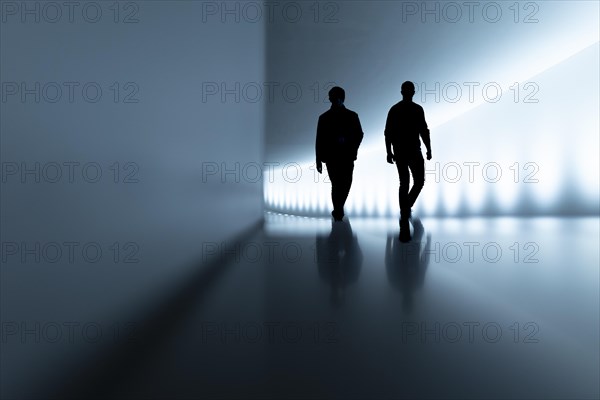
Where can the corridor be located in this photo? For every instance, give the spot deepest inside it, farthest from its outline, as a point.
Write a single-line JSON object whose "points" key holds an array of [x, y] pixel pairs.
{"points": [[310, 308]]}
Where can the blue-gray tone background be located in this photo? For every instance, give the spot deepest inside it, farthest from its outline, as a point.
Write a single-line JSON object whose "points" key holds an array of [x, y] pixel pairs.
{"points": [[178, 54]]}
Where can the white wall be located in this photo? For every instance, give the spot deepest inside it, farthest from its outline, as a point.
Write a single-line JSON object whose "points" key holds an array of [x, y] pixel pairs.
{"points": [[162, 219]]}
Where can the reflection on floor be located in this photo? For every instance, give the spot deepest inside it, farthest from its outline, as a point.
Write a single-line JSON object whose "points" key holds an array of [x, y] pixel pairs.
{"points": [[310, 308]]}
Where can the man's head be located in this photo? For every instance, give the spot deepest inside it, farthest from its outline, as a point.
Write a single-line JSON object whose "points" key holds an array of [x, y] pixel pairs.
{"points": [[408, 90], [337, 95]]}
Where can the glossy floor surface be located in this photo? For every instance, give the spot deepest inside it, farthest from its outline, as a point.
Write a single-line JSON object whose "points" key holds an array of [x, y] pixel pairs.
{"points": [[310, 308]]}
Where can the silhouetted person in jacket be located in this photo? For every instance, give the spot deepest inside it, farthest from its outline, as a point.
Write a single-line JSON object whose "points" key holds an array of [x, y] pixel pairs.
{"points": [[339, 135], [404, 128]]}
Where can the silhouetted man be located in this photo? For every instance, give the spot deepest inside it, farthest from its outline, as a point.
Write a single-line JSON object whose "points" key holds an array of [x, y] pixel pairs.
{"points": [[339, 135], [405, 124]]}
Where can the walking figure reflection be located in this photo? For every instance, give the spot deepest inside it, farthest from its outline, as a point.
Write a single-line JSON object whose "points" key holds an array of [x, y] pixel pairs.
{"points": [[339, 259], [406, 263]]}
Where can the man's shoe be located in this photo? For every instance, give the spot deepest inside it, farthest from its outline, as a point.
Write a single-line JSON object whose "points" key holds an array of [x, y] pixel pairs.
{"points": [[404, 231], [406, 215], [404, 236], [337, 216]]}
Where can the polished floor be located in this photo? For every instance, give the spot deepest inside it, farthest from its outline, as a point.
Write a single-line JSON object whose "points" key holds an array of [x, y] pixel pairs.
{"points": [[298, 307]]}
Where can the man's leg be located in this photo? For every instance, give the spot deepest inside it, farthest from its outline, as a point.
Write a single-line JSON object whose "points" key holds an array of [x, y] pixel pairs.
{"points": [[345, 174], [417, 168], [404, 176], [340, 174], [333, 169]]}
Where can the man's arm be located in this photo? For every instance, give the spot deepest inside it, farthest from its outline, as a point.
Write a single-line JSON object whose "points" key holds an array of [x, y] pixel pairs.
{"points": [[424, 132], [319, 146], [358, 133], [388, 149], [388, 140]]}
